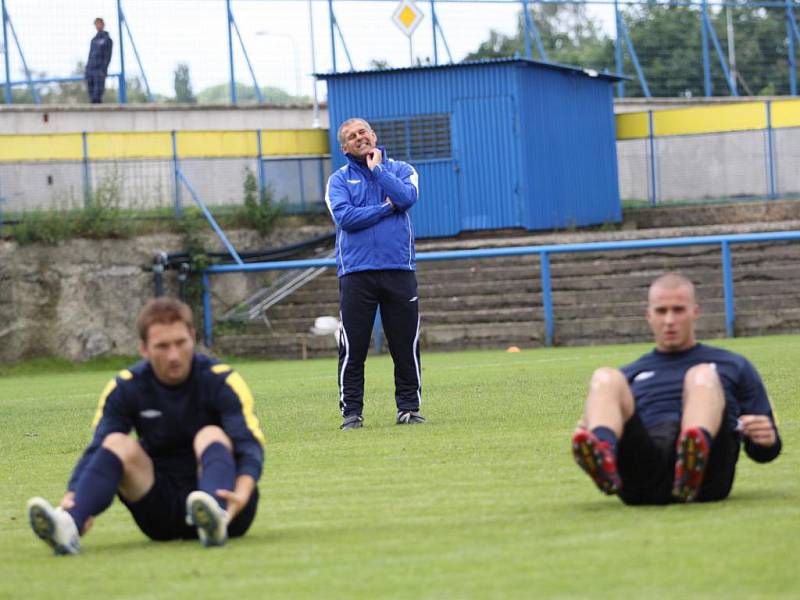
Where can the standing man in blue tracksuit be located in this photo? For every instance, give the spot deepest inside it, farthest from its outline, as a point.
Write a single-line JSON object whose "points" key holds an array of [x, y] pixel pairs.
{"points": [[369, 199], [97, 63]]}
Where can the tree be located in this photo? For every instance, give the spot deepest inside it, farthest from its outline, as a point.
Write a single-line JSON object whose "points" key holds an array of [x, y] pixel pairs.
{"points": [[183, 85], [246, 94], [667, 40], [569, 36]]}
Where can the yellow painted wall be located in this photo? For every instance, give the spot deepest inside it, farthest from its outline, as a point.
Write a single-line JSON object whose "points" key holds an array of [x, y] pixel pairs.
{"points": [[742, 116]]}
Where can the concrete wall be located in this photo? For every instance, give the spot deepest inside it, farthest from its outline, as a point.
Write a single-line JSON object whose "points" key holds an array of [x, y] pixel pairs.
{"points": [[155, 117], [79, 299]]}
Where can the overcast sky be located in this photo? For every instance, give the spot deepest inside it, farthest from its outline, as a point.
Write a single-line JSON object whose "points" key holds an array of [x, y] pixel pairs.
{"points": [[55, 35]]}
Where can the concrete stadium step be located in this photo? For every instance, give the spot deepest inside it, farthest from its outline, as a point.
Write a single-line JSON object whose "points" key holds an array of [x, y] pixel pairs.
{"points": [[598, 297]]}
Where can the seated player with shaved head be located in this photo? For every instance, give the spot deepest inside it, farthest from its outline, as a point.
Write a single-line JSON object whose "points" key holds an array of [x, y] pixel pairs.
{"points": [[668, 427], [192, 472]]}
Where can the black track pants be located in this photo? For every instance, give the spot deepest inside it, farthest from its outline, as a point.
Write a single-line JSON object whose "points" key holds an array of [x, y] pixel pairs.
{"points": [[360, 294]]}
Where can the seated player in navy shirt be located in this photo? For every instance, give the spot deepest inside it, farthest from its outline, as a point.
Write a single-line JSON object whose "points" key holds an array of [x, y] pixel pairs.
{"points": [[192, 472], [669, 426]]}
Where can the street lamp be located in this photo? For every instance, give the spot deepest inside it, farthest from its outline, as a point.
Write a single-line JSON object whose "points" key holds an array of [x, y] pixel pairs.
{"points": [[295, 54]]}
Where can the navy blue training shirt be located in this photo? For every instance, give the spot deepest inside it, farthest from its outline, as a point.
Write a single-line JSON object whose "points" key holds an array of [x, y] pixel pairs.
{"points": [[166, 418], [656, 380]]}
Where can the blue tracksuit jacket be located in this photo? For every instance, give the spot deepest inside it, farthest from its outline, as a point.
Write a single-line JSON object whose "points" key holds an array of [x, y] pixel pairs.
{"points": [[370, 234]]}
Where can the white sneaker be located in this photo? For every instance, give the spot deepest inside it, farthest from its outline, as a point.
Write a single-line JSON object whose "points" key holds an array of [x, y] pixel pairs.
{"points": [[55, 526], [211, 520]]}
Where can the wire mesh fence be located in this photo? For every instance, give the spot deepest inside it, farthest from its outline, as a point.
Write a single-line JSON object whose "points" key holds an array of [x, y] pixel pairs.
{"points": [[240, 51]]}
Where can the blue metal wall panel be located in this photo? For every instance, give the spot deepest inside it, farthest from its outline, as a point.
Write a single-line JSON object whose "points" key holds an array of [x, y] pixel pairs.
{"points": [[486, 146], [436, 212], [569, 151]]}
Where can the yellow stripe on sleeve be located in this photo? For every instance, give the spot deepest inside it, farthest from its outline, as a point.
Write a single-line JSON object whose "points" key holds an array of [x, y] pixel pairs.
{"points": [[242, 391], [220, 368], [125, 375], [98, 414]]}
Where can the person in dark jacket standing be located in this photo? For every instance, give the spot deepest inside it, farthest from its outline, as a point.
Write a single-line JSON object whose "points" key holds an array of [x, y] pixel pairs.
{"points": [[669, 427], [369, 199], [97, 64]]}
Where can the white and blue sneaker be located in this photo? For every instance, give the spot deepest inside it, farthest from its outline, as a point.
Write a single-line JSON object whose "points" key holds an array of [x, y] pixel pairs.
{"points": [[55, 526], [211, 520]]}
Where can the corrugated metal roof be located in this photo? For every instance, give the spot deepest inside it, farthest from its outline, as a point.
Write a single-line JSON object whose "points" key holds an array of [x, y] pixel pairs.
{"points": [[522, 61]]}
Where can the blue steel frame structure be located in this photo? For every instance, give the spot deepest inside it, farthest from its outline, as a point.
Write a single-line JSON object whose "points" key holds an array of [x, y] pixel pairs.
{"points": [[32, 82], [622, 42], [544, 252]]}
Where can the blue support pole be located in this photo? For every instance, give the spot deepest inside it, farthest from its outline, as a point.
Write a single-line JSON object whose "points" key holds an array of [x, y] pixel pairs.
{"points": [[87, 190], [634, 59], [526, 19], [262, 178], [208, 323], [332, 24], [176, 177], [771, 179], [211, 220], [791, 31], [344, 45], [433, 30], [6, 54], [618, 49], [138, 60], [547, 298], [28, 79], [259, 95], [444, 41], [707, 89], [123, 89], [652, 143], [727, 284], [230, 51], [302, 184], [722, 62]]}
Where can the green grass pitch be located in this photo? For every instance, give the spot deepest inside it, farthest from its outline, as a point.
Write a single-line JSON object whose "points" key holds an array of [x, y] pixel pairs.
{"points": [[481, 502]]}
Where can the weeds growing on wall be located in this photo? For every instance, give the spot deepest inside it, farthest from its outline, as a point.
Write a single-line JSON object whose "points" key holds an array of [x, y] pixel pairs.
{"points": [[258, 211], [100, 218]]}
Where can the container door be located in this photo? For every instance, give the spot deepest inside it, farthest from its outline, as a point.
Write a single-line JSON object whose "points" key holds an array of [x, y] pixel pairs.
{"points": [[487, 159]]}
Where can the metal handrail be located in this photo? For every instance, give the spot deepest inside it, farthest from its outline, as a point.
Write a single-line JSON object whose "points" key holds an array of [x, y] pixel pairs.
{"points": [[544, 252]]}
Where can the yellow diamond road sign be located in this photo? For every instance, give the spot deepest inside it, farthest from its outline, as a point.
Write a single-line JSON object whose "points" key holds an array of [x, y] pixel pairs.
{"points": [[407, 16]]}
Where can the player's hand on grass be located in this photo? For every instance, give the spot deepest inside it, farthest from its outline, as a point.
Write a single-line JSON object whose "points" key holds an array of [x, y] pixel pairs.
{"points": [[67, 502], [758, 429]]}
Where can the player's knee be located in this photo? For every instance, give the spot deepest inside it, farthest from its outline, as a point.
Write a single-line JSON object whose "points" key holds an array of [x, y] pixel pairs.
{"points": [[209, 435], [607, 378], [124, 446], [703, 375]]}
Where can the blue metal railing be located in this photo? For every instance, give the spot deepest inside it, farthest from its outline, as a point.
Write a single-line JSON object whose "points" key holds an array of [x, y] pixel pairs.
{"points": [[544, 252]]}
